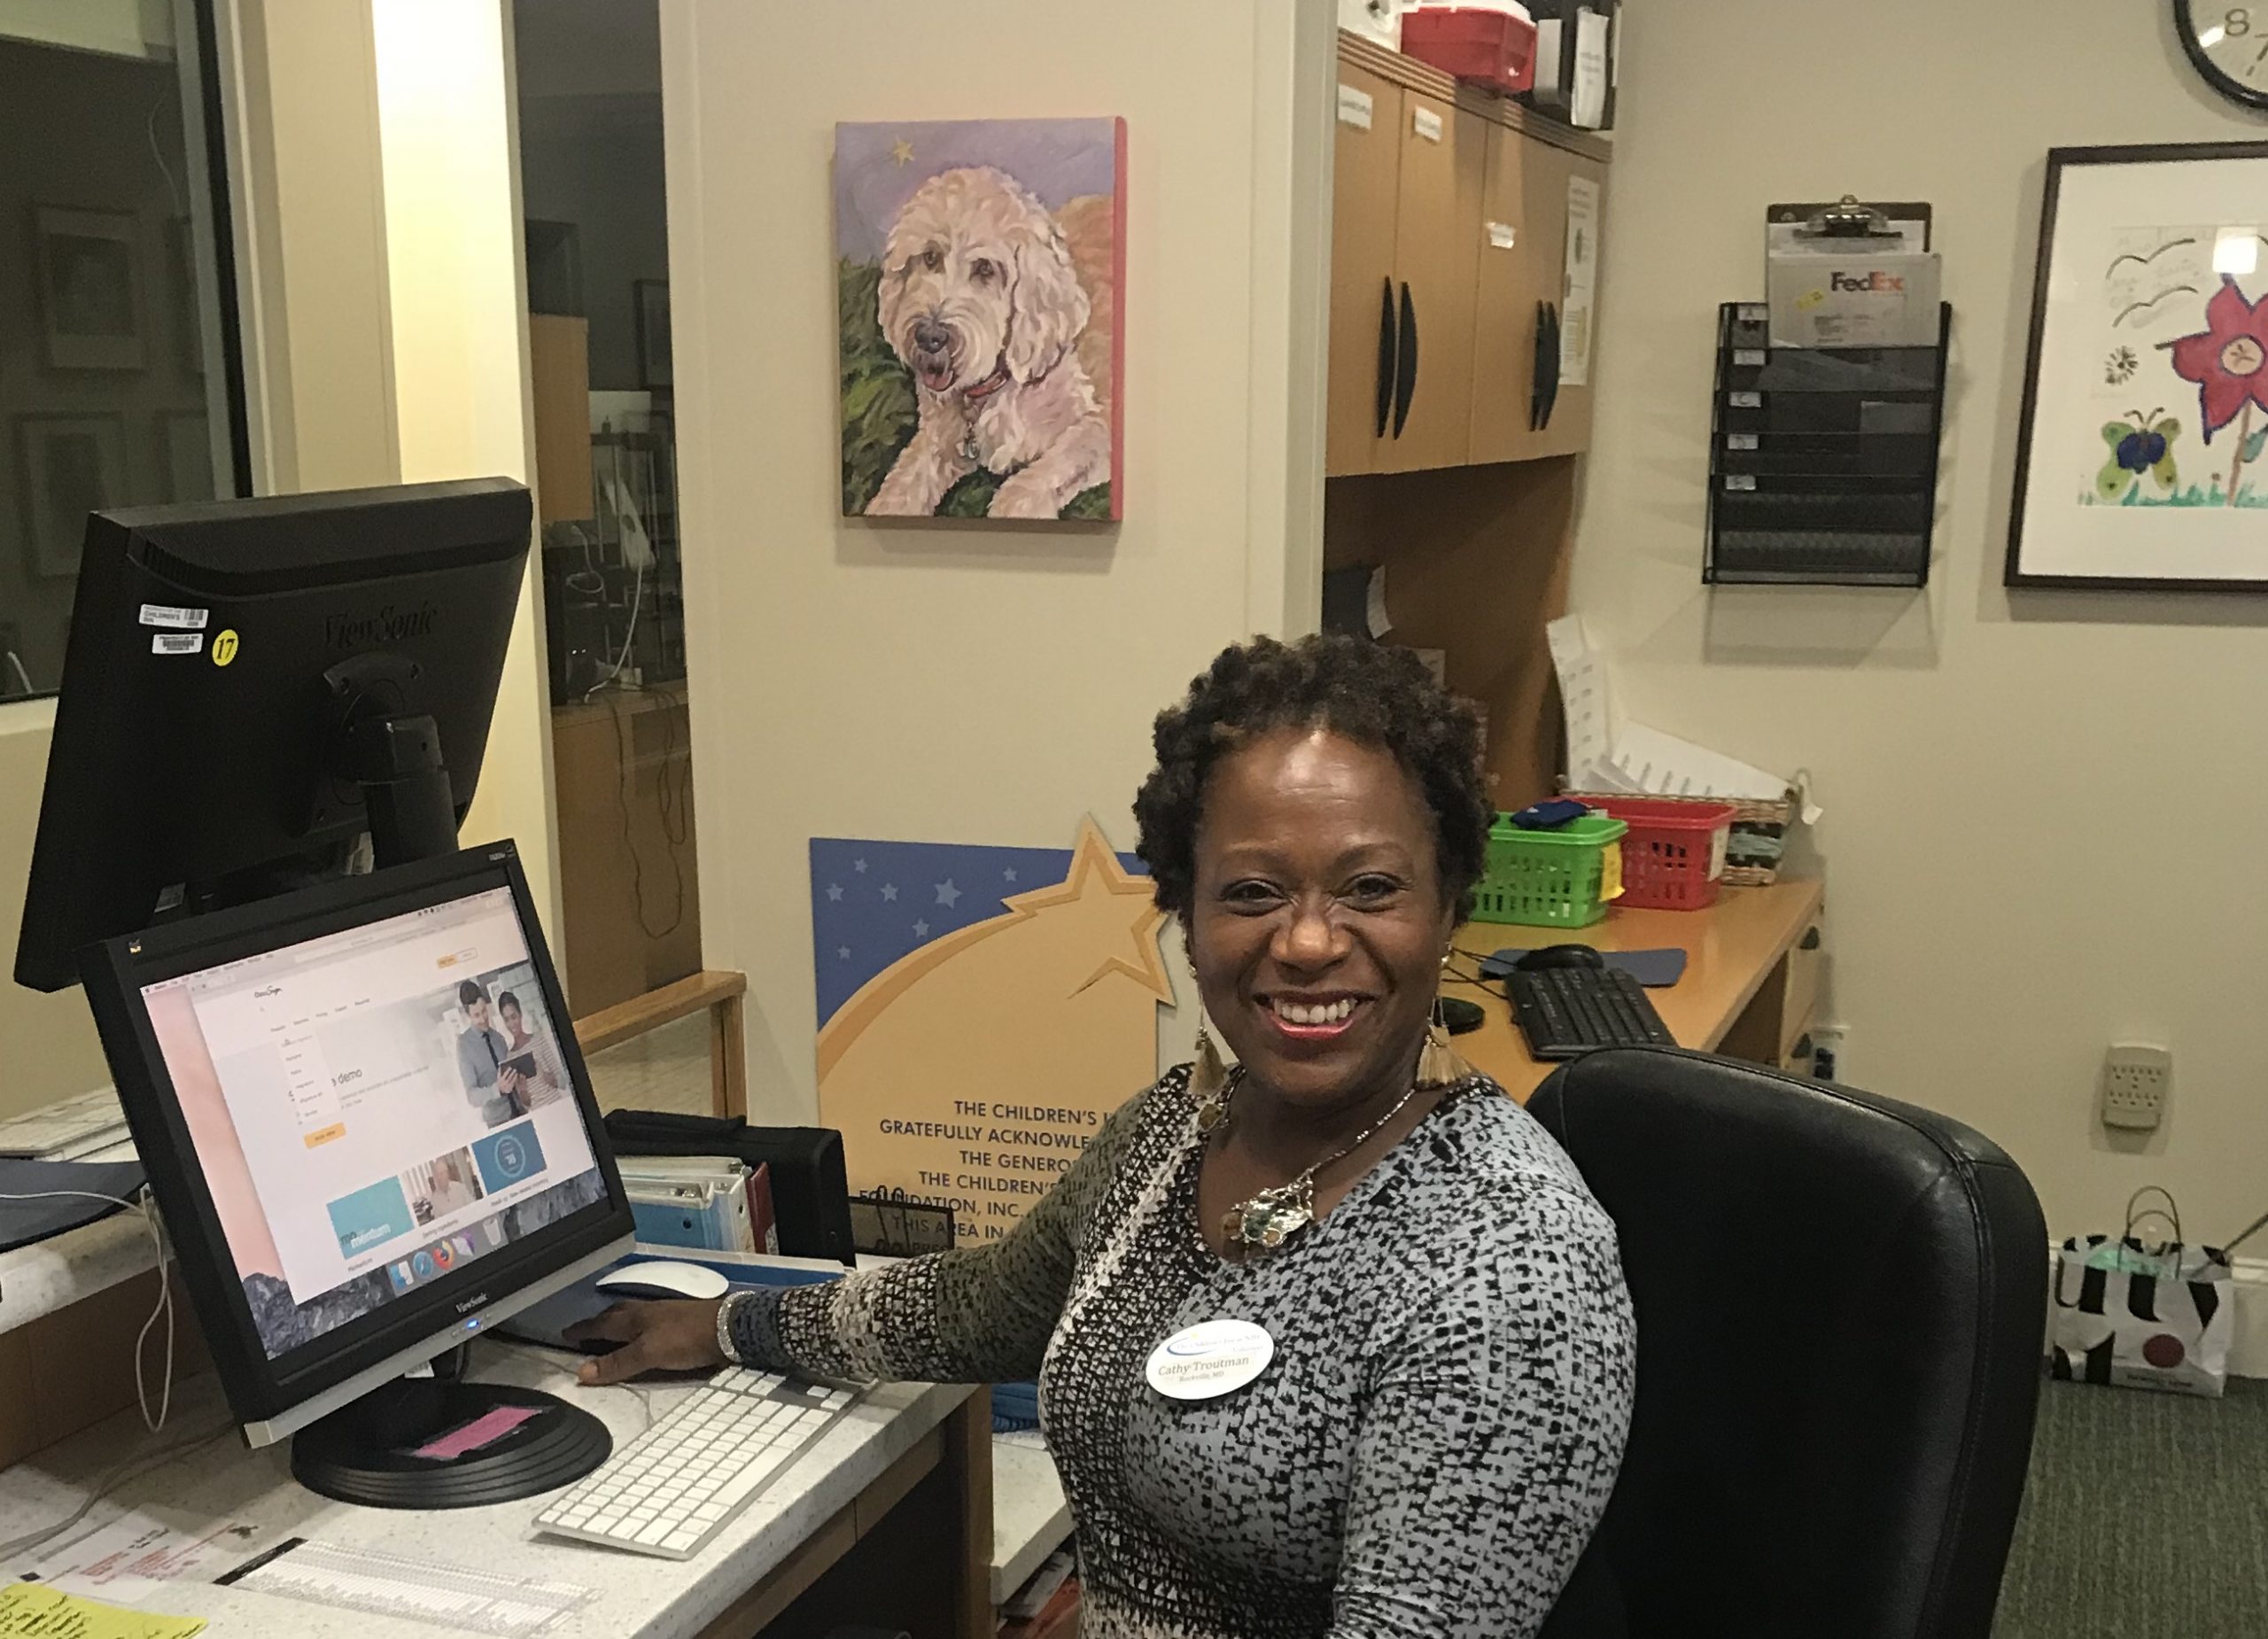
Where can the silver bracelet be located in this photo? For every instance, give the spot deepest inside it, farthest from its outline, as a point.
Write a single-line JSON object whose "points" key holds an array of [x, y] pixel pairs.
{"points": [[725, 1312]]}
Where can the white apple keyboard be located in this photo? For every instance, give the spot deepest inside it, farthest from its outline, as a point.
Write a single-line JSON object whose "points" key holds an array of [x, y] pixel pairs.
{"points": [[65, 1131], [673, 1488]]}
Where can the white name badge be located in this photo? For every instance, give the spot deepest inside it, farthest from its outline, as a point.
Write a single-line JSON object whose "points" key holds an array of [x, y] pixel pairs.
{"points": [[1210, 1358]]}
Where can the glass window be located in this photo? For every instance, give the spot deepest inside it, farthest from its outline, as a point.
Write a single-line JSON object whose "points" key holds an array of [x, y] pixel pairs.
{"points": [[120, 381]]}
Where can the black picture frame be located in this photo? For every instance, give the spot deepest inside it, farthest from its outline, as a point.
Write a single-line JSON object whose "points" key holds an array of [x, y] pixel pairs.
{"points": [[2060, 161], [651, 300]]}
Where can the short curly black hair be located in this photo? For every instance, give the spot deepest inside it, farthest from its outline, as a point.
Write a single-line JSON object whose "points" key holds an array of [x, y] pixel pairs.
{"points": [[1374, 694]]}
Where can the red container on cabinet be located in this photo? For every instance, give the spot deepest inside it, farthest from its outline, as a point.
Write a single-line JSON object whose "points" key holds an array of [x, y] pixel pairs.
{"points": [[1494, 48]]}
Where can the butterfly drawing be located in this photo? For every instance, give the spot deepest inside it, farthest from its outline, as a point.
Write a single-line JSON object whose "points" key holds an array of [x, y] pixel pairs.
{"points": [[2145, 444]]}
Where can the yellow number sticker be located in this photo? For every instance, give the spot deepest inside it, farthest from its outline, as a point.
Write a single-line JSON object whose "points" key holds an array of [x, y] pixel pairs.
{"points": [[224, 648]]}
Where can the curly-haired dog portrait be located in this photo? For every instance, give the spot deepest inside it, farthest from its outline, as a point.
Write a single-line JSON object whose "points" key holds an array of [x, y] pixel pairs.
{"points": [[979, 381]]}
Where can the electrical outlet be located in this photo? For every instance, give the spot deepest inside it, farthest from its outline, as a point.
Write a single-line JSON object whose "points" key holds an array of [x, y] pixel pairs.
{"points": [[2136, 1077]]}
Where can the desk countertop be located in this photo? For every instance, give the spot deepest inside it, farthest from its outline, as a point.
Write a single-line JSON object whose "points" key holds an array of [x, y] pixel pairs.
{"points": [[54, 1274], [1732, 948], [636, 1597]]}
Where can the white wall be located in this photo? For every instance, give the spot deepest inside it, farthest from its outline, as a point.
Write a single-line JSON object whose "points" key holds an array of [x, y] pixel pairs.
{"points": [[972, 683], [2044, 811]]}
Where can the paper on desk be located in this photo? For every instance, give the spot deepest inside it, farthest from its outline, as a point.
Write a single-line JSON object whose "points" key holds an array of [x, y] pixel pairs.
{"points": [[134, 1555], [29, 1610], [1589, 706], [1668, 766], [1374, 611], [1605, 753]]}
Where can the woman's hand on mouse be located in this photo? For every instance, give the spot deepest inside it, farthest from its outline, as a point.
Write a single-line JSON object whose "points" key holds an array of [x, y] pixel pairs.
{"points": [[676, 1334]]}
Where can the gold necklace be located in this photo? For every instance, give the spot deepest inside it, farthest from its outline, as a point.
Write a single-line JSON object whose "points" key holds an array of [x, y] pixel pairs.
{"points": [[1266, 1221]]}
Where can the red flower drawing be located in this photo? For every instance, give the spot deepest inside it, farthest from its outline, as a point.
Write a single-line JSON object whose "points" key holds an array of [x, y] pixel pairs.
{"points": [[2228, 359]]}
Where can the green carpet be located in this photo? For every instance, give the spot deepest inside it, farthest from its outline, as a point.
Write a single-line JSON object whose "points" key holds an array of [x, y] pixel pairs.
{"points": [[2146, 1516]]}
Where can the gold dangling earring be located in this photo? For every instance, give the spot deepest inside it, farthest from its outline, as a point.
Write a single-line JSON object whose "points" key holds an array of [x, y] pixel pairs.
{"points": [[1440, 1064], [1209, 1076]]}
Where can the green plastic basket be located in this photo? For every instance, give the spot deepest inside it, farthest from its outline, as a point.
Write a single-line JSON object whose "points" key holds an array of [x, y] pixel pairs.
{"points": [[1565, 878]]}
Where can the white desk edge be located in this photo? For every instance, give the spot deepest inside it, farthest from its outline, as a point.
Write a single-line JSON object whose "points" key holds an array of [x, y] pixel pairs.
{"points": [[1029, 1516], [636, 1597]]}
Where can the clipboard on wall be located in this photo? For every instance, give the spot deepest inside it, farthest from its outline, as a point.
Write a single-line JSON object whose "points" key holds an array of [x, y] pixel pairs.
{"points": [[1830, 225]]}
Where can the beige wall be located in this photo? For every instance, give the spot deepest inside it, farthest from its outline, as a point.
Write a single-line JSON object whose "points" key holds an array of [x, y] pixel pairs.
{"points": [[47, 1043], [458, 320], [972, 683], [2042, 811]]}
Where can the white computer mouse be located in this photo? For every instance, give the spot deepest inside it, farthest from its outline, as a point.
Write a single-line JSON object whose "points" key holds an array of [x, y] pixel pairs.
{"points": [[664, 1279]]}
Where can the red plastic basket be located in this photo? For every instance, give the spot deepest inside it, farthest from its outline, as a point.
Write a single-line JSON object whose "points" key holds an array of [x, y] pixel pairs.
{"points": [[1673, 854], [1494, 48]]}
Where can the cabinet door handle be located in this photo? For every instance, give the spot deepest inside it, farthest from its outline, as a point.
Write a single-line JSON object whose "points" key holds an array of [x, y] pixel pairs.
{"points": [[1385, 358], [1405, 384], [1551, 362]]}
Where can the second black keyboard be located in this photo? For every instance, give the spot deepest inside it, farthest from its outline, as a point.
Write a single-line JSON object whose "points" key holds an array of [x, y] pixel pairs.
{"points": [[1565, 1012]]}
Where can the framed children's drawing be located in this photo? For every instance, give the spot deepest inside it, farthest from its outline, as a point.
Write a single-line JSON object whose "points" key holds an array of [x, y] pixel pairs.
{"points": [[2146, 392]]}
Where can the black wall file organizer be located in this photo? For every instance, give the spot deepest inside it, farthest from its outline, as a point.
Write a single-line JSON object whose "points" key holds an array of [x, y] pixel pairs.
{"points": [[1822, 461]]}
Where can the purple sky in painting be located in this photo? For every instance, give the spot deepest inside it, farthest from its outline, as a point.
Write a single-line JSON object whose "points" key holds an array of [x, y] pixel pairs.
{"points": [[1058, 160]]}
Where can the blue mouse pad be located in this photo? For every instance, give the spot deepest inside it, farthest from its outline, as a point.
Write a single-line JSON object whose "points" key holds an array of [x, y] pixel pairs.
{"points": [[547, 1321], [1655, 969]]}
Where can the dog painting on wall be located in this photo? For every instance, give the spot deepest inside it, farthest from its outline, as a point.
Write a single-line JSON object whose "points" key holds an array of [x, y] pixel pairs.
{"points": [[979, 269]]}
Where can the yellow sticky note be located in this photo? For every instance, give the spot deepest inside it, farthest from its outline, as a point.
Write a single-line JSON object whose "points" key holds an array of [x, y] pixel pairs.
{"points": [[1609, 874], [28, 1611]]}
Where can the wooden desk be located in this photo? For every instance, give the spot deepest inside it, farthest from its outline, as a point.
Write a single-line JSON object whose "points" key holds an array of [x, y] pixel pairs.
{"points": [[1749, 986]]}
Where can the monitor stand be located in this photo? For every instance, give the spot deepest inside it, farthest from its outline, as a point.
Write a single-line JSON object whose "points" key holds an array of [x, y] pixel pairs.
{"points": [[427, 1443], [437, 1442]]}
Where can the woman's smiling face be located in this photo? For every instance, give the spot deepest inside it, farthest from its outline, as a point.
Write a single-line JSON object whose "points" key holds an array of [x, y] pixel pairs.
{"points": [[1318, 922]]}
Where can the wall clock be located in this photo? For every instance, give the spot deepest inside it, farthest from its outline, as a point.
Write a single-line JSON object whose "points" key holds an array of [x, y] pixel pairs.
{"points": [[2229, 44]]}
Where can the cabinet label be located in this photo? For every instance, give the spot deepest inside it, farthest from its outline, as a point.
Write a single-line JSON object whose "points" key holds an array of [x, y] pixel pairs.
{"points": [[1426, 123], [1739, 481], [1751, 358], [1740, 440], [1501, 235], [1354, 108], [1747, 401]]}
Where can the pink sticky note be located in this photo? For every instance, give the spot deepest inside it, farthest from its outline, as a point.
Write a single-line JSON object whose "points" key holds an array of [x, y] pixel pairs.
{"points": [[481, 1431]]}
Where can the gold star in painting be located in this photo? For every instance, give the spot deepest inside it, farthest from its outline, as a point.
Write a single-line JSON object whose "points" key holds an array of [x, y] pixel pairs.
{"points": [[902, 152]]}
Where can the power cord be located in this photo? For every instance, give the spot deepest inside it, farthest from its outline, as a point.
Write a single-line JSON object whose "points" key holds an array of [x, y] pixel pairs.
{"points": [[543, 1358], [146, 1204], [131, 1469]]}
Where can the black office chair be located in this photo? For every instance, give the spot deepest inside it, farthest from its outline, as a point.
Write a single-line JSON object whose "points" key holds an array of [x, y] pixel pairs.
{"points": [[1841, 1303]]}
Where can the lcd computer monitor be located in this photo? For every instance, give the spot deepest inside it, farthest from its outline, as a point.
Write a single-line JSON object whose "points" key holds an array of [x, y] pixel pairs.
{"points": [[251, 686], [371, 1137]]}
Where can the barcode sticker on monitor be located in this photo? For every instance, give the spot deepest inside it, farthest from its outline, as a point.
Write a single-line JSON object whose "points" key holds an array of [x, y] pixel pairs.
{"points": [[177, 643], [181, 619]]}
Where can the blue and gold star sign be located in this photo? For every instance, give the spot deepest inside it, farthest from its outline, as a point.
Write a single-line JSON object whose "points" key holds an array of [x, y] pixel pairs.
{"points": [[981, 1011]]}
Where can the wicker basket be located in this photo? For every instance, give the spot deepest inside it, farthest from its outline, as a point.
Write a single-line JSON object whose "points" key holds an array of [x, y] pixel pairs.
{"points": [[1759, 835]]}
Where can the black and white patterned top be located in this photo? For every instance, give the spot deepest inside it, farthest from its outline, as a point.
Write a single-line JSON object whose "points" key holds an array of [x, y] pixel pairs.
{"points": [[1423, 1457]]}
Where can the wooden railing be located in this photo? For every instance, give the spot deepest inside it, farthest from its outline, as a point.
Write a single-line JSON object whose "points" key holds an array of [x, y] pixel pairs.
{"points": [[719, 994]]}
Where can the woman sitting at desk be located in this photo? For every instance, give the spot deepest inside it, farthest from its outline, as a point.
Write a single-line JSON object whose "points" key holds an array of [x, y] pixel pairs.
{"points": [[1440, 1424]]}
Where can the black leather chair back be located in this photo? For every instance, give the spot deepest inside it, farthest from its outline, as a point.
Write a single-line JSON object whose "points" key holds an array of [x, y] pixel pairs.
{"points": [[1841, 1302]]}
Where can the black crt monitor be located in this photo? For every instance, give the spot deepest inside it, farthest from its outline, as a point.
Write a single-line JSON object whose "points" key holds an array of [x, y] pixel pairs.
{"points": [[351, 1187], [250, 687]]}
